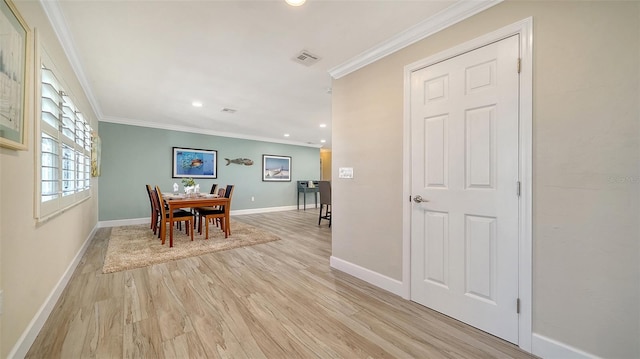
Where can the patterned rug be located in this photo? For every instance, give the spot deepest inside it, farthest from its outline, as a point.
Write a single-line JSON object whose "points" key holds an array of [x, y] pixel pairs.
{"points": [[136, 246]]}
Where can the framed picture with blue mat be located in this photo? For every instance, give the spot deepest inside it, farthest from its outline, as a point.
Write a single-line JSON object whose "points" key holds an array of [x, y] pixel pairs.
{"points": [[194, 163]]}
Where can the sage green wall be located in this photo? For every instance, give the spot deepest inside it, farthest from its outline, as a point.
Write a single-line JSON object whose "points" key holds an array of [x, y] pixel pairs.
{"points": [[134, 156]]}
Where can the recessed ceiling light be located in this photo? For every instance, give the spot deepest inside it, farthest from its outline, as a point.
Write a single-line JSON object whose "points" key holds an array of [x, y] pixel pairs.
{"points": [[323, 141], [323, 125], [286, 135], [295, 2], [196, 104]]}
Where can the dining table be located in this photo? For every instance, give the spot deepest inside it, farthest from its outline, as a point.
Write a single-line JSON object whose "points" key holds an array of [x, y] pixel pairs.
{"points": [[194, 201]]}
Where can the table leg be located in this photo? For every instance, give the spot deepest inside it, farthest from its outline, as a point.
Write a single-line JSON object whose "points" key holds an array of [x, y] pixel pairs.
{"points": [[298, 204], [163, 229], [315, 196], [304, 194], [170, 227], [227, 224]]}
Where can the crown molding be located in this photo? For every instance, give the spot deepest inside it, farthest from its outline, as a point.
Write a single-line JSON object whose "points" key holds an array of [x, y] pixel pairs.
{"points": [[56, 18], [161, 126], [455, 13]]}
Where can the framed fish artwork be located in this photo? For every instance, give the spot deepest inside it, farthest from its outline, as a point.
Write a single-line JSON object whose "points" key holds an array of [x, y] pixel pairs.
{"points": [[195, 163]]}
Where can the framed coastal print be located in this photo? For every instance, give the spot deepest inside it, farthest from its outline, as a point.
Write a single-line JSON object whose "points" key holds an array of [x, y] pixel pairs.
{"points": [[96, 149], [276, 168], [15, 68], [194, 163]]}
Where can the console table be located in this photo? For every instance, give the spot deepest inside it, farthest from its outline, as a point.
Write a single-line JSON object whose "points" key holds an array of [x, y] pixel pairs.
{"points": [[304, 188]]}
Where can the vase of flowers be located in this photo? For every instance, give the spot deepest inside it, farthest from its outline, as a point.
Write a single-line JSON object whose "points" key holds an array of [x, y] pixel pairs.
{"points": [[189, 185], [188, 182]]}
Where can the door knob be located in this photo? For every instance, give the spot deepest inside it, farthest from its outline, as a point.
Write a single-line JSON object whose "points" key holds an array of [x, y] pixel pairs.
{"points": [[418, 199]]}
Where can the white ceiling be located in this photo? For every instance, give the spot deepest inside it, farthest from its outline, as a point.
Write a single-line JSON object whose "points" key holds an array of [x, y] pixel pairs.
{"points": [[145, 62]]}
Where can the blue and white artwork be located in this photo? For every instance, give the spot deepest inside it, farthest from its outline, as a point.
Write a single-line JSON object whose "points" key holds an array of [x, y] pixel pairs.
{"points": [[188, 162]]}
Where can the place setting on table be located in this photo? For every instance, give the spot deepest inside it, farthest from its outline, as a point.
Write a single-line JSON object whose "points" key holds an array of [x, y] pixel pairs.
{"points": [[171, 196]]}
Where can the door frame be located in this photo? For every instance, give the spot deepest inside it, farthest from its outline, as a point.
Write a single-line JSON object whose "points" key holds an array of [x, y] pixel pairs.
{"points": [[524, 29]]}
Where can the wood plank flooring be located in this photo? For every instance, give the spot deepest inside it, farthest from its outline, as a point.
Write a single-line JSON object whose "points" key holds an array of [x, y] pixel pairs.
{"points": [[275, 300]]}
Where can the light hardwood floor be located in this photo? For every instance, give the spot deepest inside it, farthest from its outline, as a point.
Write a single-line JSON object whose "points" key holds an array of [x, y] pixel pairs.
{"points": [[273, 300]]}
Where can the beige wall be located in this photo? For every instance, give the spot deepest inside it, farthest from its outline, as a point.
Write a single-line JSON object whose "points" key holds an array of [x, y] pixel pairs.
{"points": [[586, 158], [34, 257]]}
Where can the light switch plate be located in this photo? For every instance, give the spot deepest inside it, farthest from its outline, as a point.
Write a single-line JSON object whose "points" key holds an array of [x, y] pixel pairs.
{"points": [[345, 172]]}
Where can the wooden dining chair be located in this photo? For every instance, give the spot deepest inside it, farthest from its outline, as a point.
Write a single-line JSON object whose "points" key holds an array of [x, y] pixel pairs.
{"points": [[217, 214], [178, 216], [154, 211], [325, 201], [155, 203], [214, 190]]}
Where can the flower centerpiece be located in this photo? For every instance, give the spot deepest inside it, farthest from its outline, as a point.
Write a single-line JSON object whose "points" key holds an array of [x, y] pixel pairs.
{"points": [[189, 185], [188, 182]]}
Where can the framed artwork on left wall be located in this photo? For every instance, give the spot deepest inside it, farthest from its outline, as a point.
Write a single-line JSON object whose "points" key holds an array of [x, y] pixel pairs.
{"points": [[96, 149], [194, 163], [15, 76]]}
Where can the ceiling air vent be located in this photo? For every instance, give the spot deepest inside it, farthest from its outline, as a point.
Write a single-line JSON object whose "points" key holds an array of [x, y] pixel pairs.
{"points": [[228, 110], [306, 58]]}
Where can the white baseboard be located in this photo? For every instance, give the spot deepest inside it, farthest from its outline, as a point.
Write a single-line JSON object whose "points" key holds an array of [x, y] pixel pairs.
{"points": [[145, 220], [29, 335], [240, 212], [381, 281], [548, 348], [124, 222]]}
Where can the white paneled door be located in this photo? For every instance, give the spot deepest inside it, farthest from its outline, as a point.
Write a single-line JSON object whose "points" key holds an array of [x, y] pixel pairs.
{"points": [[464, 157]]}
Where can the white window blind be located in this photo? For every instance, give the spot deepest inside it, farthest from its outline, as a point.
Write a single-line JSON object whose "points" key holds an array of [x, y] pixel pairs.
{"points": [[65, 149]]}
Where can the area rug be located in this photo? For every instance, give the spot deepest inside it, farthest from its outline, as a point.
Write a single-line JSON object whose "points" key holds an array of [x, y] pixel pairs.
{"points": [[136, 246]]}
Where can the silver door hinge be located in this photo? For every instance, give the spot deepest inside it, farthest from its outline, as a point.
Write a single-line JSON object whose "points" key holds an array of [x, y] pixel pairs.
{"points": [[519, 64], [518, 305], [518, 188]]}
